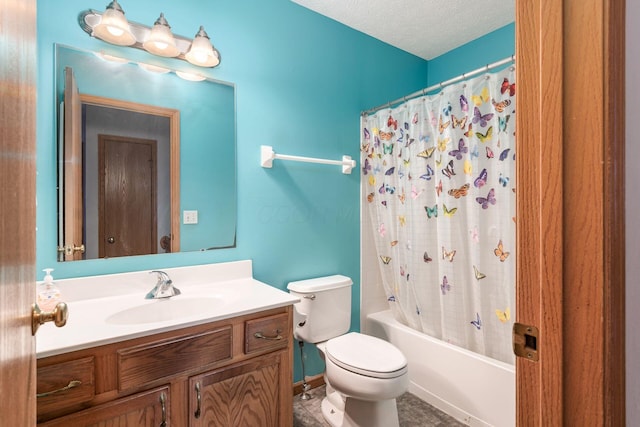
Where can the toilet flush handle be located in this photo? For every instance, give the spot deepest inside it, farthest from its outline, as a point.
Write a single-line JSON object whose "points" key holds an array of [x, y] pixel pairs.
{"points": [[311, 297]]}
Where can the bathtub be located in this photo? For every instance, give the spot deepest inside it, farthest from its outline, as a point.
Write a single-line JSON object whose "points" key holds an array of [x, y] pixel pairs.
{"points": [[470, 387]]}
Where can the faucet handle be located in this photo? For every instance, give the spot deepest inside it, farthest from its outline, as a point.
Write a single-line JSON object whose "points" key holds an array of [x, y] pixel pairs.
{"points": [[163, 277], [164, 287]]}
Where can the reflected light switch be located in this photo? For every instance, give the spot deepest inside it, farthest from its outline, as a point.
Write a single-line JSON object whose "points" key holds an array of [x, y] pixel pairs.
{"points": [[189, 217]]}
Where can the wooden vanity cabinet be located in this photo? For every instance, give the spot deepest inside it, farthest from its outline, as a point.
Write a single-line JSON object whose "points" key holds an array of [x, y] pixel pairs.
{"points": [[234, 372]]}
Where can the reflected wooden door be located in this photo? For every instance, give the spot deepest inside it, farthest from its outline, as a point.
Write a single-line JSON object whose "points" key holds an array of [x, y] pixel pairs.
{"points": [[127, 199], [73, 201]]}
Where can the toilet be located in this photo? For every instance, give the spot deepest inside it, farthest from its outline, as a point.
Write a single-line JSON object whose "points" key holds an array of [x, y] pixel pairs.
{"points": [[364, 374]]}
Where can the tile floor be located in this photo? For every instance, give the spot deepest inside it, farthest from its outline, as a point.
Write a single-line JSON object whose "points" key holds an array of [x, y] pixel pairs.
{"points": [[412, 412]]}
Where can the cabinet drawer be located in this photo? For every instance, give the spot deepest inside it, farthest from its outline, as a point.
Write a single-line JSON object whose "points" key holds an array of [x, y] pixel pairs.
{"points": [[65, 385], [266, 333], [149, 362], [147, 409]]}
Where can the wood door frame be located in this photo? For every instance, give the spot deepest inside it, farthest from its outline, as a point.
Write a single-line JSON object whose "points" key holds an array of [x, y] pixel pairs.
{"points": [[102, 142], [174, 148], [570, 210]]}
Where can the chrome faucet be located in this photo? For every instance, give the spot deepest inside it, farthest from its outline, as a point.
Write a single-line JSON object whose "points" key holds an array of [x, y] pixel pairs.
{"points": [[164, 287]]}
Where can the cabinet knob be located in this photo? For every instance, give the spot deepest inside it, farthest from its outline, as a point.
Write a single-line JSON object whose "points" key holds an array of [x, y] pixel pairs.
{"points": [[111, 240]]}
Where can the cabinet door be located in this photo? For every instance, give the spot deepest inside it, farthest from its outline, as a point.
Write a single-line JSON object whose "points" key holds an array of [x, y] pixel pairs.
{"points": [[147, 409], [246, 394]]}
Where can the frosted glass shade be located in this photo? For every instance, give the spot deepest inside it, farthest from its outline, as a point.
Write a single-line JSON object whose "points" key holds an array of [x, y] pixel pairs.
{"points": [[201, 52], [113, 27], [160, 40]]}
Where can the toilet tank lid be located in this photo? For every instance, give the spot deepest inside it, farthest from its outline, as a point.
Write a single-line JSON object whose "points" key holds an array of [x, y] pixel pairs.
{"points": [[319, 284]]}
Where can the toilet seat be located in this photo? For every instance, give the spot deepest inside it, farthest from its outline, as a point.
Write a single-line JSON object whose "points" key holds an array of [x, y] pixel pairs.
{"points": [[366, 355]]}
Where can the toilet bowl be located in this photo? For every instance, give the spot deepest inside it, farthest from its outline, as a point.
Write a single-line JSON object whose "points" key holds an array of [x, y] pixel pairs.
{"points": [[364, 374]]}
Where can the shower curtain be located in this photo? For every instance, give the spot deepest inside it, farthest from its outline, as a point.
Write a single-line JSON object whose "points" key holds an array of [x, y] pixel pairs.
{"points": [[439, 173]]}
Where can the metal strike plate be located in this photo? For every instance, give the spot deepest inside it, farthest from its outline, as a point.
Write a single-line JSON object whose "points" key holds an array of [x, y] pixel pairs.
{"points": [[525, 341]]}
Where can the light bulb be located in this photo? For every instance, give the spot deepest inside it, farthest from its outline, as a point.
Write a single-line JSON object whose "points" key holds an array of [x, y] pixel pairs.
{"points": [[200, 56], [115, 30], [161, 45]]}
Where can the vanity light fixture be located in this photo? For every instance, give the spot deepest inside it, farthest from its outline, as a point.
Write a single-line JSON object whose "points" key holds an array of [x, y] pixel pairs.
{"points": [[160, 40], [112, 27]]}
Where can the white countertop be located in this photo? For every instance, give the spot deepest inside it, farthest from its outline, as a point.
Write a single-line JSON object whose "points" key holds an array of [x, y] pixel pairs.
{"points": [[101, 308]]}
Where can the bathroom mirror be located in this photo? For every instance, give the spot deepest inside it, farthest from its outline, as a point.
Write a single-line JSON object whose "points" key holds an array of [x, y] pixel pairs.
{"points": [[146, 159]]}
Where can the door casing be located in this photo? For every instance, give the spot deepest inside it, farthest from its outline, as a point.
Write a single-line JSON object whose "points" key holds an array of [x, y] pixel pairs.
{"points": [[570, 210]]}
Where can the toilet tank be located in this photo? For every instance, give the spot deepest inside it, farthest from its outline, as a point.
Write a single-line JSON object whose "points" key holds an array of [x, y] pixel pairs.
{"points": [[324, 310]]}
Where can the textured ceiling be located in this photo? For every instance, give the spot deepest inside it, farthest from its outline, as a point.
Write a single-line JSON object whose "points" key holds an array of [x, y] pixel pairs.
{"points": [[426, 28]]}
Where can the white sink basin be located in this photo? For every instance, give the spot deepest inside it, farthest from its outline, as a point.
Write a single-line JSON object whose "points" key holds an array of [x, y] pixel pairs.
{"points": [[165, 309]]}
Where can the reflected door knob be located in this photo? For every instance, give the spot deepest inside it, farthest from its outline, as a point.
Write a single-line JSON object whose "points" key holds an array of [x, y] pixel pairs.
{"points": [[111, 240]]}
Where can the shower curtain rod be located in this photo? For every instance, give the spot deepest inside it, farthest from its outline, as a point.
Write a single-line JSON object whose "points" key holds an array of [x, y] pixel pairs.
{"points": [[442, 84]]}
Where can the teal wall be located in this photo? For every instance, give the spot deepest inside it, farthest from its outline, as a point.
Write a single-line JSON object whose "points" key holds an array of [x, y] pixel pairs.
{"points": [[492, 47], [301, 82]]}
